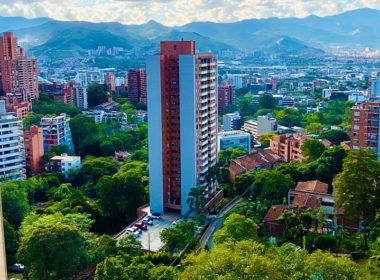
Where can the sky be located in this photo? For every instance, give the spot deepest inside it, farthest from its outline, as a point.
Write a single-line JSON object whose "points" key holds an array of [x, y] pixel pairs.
{"points": [[176, 12]]}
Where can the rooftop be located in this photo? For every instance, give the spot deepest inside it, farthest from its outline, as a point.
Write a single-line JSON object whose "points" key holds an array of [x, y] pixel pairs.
{"points": [[312, 187]]}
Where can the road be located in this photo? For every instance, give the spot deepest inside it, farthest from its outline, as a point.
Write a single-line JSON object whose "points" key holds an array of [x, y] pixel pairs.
{"points": [[216, 222]]}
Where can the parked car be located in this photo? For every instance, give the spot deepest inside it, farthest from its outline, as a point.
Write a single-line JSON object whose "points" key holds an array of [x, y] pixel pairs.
{"points": [[152, 216], [16, 268], [147, 221], [156, 214], [129, 230], [141, 226], [136, 229]]}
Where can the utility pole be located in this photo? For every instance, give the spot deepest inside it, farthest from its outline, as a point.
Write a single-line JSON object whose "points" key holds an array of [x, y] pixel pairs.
{"points": [[3, 261], [149, 243]]}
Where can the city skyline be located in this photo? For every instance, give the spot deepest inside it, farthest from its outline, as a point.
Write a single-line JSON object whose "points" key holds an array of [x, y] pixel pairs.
{"points": [[177, 12]]}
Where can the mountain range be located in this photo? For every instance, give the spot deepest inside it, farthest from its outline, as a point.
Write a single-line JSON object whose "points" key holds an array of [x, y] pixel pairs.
{"points": [[351, 30]]}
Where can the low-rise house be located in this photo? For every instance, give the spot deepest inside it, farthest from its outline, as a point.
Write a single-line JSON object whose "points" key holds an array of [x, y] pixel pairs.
{"points": [[255, 161], [311, 195], [63, 163]]}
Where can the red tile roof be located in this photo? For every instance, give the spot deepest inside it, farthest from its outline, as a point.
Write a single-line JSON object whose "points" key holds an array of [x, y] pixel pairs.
{"points": [[274, 212], [255, 160], [313, 187], [306, 200]]}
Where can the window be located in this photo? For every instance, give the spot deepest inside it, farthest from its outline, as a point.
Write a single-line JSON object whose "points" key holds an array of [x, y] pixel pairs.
{"points": [[356, 114], [356, 127], [355, 147]]}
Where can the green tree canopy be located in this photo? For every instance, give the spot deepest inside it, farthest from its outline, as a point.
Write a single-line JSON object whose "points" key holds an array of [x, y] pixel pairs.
{"points": [[358, 186], [236, 228], [52, 252], [335, 136], [177, 237], [289, 117], [312, 149], [85, 135], [267, 101], [265, 139], [96, 95], [15, 203]]}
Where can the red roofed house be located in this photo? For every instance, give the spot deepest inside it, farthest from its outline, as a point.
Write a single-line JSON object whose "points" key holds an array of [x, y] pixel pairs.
{"points": [[311, 194], [255, 161]]}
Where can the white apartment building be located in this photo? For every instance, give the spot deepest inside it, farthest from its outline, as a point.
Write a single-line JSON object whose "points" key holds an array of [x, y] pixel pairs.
{"points": [[263, 124], [12, 153], [230, 121], [80, 96]]}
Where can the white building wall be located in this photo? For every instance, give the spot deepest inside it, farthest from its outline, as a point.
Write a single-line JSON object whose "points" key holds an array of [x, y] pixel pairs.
{"points": [[187, 105], [153, 76]]}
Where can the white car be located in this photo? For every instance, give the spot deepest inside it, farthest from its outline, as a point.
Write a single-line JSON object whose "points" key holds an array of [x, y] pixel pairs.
{"points": [[129, 230], [154, 216], [136, 229], [147, 221]]}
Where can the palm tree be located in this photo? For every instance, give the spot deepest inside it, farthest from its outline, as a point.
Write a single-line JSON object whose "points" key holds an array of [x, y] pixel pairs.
{"points": [[197, 198]]}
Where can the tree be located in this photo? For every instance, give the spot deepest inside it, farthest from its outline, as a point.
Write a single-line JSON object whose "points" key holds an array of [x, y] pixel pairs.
{"points": [[236, 228], [52, 252], [289, 117], [120, 194], [335, 136], [197, 198], [312, 149], [93, 169], [15, 203], [357, 187], [333, 268], [128, 244], [267, 101], [101, 247], [314, 128], [96, 95], [31, 119], [85, 135], [11, 242], [243, 182], [178, 237], [242, 260], [271, 186], [265, 139]]}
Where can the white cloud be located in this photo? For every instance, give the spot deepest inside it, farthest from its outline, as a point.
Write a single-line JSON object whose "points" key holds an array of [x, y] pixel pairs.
{"points": [[176, 12]]}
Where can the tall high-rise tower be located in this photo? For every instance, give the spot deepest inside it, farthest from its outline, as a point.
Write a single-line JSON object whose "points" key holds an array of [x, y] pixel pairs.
{"points": [[182, 123], [19, 74]]}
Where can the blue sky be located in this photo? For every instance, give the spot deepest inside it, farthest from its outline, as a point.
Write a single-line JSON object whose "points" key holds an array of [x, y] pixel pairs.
{"points": [[177, 12]]}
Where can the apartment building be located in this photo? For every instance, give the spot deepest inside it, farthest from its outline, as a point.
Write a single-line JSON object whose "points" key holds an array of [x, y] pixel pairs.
{"points": [[12, 154], [16, 70], [288, 146], [182, 123], [232, 121], [34, 150], [56, 131], [365, 118], [263, 124], [226, 95], [137, 85]]}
